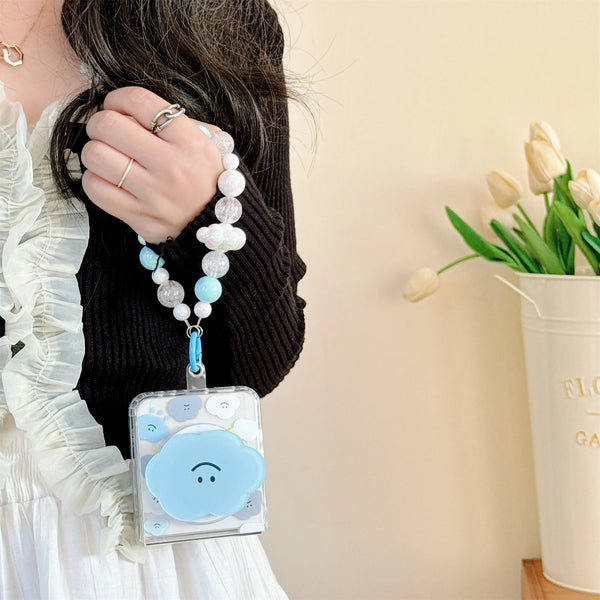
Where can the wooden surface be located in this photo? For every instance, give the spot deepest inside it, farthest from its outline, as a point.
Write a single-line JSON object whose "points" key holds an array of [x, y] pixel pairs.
{"points": [[534, 586]]}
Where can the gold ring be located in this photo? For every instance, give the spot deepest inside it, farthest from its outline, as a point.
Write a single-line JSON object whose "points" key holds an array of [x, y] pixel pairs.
{"points": [[126, 172]]}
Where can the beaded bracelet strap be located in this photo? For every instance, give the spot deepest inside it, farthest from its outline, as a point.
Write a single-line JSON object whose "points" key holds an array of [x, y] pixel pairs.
{"points": [[219, 238]]}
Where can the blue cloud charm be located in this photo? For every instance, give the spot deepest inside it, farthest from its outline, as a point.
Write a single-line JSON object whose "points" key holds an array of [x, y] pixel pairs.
{"points": [[152, 428], [156, 526], [197, 474], [252, 508], [184, 408]]}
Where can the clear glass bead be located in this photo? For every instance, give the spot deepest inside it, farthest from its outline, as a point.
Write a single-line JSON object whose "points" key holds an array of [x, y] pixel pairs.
{"points": [[160, 275], [230, 161], [141, 240], [231, 183], [215, 263], [182, 312], [228, 209], [223, 141], [170, 293], [202, 309]]}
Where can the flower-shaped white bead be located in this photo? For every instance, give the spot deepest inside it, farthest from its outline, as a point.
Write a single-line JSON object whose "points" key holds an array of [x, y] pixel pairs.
{"points": [[239, 239], [212, 236]]}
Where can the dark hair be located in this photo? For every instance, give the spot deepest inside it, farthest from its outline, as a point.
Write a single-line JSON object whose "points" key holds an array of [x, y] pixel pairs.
{"points": [[221, 59]]}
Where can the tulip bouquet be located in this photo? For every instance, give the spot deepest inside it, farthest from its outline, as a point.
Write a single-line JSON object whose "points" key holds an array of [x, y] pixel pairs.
{"points": [[571, 221]]}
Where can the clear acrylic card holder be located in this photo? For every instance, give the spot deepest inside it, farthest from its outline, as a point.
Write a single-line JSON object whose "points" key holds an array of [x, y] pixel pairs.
{"points": [[198, 464]]}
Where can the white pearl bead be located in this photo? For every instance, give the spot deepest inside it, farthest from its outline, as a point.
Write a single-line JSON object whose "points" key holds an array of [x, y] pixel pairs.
{"points": [[231, 183], [160, 275], [228, 209], [141, 240], [202, 309], [230, 161], [182, 312]]}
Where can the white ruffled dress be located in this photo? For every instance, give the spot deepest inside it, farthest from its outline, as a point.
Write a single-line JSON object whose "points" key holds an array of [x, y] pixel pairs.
{"points": [[66, 529]]}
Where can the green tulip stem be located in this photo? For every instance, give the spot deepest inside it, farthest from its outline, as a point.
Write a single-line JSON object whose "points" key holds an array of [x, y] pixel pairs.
{"points": [[456, 262], [526, 217], [547, 202]]}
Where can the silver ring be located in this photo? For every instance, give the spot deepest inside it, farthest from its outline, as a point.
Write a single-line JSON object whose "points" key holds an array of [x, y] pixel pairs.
{"points": [[125, 173], [168, 114], [194, 328]]}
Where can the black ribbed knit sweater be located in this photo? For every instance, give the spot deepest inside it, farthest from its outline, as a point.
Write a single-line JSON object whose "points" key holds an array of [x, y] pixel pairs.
{"points": [[256, 330]]}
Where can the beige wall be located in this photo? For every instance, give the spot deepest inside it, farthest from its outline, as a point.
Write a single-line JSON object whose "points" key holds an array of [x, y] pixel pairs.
{"points": [[399, 447]]}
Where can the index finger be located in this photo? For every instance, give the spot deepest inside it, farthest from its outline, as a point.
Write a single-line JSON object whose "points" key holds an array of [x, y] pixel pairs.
{"points": [[143, 105]]}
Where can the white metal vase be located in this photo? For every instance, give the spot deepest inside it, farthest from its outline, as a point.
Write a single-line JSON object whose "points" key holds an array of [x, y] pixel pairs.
{"points": [[561, 336]]}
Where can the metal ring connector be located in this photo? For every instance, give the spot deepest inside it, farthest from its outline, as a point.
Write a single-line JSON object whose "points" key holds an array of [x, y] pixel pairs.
{"points": [[192, 328]]}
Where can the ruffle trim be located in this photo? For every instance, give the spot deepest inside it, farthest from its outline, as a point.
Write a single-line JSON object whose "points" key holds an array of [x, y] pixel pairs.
{"points": [[42, 242]]}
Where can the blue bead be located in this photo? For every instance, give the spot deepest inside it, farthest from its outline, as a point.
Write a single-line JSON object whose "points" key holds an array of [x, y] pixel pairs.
{"points": [[148, 259], [208, 289]]}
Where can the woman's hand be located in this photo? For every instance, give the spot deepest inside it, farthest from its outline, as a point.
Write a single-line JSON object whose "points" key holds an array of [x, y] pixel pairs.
{"points": [[174, 173]]}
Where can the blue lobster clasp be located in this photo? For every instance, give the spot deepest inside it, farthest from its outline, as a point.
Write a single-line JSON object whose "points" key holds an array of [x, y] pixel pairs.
{"points": [[195, 351]]}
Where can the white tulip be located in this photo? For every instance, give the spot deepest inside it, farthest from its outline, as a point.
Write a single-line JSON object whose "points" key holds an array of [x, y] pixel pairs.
{"points": [[585, 188], [538, 187], [422, 284], [594, 210], [540, 130], [505, 189], [544, 160], [489, 211]]}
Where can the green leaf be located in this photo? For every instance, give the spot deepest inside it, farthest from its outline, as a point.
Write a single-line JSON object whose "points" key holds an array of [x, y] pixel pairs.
{"points": [[515, 246], [571, 259], [576, 230], [519, 233], [562, 193], [539, 249], [551, 230], [558, 239], [479, 244], [592, 240]]}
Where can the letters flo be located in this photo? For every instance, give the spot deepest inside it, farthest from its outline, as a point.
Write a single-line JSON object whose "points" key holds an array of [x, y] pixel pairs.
{"points": [[581, 388]]}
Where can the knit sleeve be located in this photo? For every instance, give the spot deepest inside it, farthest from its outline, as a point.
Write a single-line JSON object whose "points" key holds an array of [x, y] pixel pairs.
{"points": [[256, 330]]}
